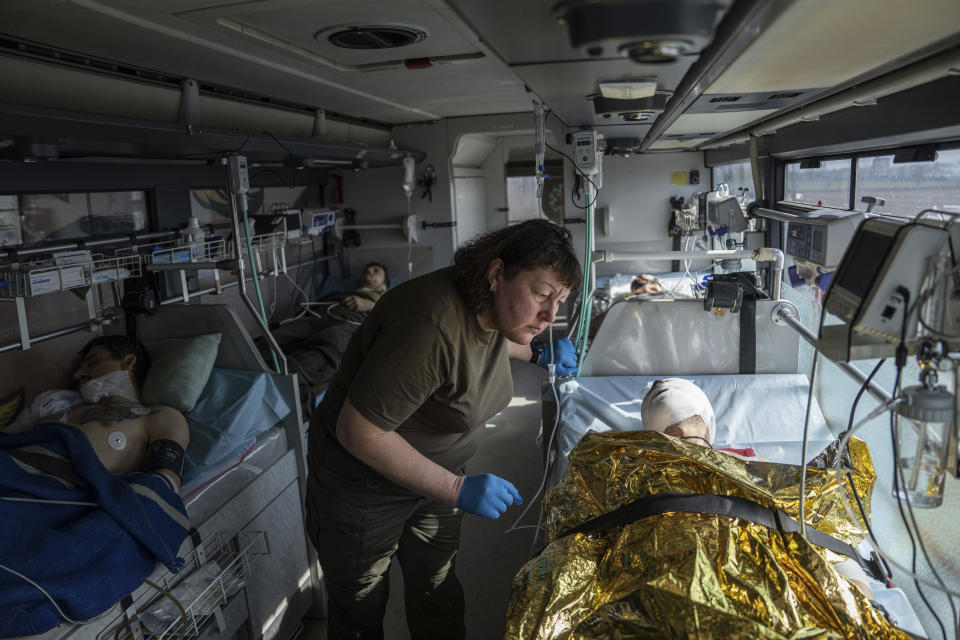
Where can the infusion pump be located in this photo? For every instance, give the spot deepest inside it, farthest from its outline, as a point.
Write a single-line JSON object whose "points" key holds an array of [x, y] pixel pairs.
{"points": [[822, 235], [585, 151]]}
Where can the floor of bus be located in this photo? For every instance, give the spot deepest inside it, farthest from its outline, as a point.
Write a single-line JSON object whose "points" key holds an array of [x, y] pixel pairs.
{"points": [[488, 557]]}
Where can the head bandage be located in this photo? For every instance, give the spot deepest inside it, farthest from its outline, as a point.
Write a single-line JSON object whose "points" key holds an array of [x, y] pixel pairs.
{"points": [[672, 400]]}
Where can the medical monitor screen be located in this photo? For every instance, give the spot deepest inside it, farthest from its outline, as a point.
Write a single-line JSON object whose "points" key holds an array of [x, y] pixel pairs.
{"points": [[863, 261]]}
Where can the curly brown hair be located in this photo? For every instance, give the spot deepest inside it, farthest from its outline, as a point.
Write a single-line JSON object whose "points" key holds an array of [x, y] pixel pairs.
{"points": [[532, 244]]}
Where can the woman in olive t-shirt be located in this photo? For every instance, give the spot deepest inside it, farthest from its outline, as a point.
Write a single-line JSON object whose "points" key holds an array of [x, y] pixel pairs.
{"points": [[406, 411]]}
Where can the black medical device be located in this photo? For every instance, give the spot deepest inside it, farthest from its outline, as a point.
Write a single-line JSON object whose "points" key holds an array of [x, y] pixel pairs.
{"points": [[165, 454], [723, 296], [727, 291]]}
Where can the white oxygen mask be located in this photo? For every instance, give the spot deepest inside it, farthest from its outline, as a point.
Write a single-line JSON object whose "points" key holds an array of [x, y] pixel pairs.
{"points": [[115, 383]]}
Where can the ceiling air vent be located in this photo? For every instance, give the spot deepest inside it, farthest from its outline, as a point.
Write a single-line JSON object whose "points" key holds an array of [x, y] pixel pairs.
{"points": [[784, 96], [374, 36], [725, 99]]}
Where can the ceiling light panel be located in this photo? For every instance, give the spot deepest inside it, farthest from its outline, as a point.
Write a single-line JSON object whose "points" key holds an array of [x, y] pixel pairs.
{"points": [[822, 43], [693, 123], [674, 144], [629, 90]]}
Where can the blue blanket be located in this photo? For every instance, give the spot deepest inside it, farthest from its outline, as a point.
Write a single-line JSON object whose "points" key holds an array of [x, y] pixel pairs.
{"points": [[86, 556]]}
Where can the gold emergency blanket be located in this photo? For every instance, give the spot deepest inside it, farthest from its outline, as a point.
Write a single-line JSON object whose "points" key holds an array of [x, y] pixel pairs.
{"points": [[691, 575]]}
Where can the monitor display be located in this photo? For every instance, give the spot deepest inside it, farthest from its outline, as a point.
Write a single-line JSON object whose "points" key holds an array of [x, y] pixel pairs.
{"points": [[863, 261]]}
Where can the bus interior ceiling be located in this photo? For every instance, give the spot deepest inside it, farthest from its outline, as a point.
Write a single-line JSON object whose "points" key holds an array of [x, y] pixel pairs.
{"points": [[124, 110]]}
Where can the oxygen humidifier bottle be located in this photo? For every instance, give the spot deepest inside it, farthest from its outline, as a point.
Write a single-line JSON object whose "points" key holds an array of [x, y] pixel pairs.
{"points": [[193, 237]]}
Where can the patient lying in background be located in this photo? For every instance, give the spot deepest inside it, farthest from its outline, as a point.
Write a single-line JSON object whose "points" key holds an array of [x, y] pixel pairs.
{"points": [[314, 344], [372, 284], [645, 283], [125, 435]]}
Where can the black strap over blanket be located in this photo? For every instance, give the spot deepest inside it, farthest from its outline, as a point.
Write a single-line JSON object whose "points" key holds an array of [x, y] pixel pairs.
{"points": [[722, 506], [748, 336]]}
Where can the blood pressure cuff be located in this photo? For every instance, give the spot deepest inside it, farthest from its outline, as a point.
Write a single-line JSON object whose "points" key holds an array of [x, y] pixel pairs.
{"points": [[165, 454]]}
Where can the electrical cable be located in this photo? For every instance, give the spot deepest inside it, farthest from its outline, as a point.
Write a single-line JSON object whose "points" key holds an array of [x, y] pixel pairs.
{"points": [[578, 170], [856, 400], [587, 308], [876, 545], [48, 597], [176, 603], [806, 434], [841, 453], [547, 463], [906, 524], [261, 170], [582, 335], [924, 295], [338, 318], [898, 479], [551, 367], [293, 161]]}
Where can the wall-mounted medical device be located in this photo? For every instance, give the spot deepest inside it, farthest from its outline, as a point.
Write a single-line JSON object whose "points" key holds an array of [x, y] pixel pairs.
{"points": [[294, 223], [726, 212], [822, 235], [280, 219], [315, 222], [585, 151], [878, 283]]}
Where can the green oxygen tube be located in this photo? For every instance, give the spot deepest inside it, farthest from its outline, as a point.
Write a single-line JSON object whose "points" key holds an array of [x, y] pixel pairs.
{"points": [[578, 337], [587, 303]]}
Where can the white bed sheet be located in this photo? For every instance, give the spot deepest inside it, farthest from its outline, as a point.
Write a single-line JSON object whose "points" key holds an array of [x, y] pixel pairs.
{"points": [[764, 412], [204, 496], [676, 284]]}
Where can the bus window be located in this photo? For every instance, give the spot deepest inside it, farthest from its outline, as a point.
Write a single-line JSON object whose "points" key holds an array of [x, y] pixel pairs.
{"points": [[911, 187], [738, 175], [827, 186]]}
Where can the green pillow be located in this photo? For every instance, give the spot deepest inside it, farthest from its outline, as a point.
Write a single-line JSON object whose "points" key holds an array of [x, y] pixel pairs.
{"points": [[179, 369]]}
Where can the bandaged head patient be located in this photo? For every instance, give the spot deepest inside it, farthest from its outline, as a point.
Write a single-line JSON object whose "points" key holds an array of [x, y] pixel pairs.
{"points": [[679, 408], [125, 435]]}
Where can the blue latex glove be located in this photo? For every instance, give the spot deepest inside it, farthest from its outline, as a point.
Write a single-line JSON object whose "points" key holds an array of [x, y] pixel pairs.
{"points": [[566, 359], [487, 495]]}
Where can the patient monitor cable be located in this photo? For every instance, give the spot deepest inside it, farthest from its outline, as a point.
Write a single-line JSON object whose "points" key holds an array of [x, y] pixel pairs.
{"points": [[806, 433], [550, 458], [898, 479], [844, 438], [901, 358], [539, 143], [583, 320]]}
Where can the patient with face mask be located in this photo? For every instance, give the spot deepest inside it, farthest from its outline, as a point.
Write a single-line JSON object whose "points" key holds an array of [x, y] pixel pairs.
{"points": [[125, 435]]}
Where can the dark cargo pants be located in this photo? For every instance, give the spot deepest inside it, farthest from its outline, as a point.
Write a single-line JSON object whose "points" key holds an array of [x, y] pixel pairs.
{"points": [[357, 521]]}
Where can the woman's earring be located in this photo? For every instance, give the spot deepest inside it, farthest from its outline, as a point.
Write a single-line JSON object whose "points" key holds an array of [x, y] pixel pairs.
{"points": [[493, 288]]}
